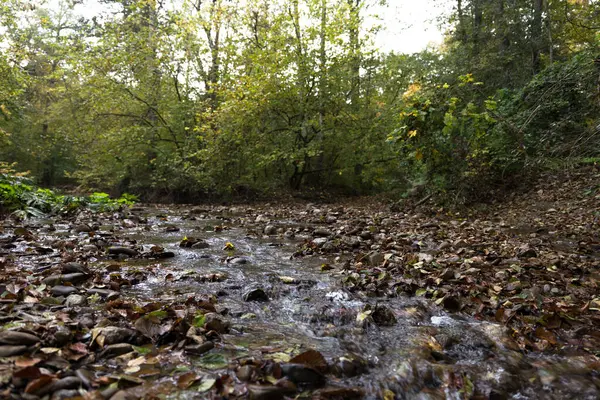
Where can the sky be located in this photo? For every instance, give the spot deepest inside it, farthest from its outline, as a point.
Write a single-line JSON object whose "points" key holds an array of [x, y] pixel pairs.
{"points": [[408, 26]]}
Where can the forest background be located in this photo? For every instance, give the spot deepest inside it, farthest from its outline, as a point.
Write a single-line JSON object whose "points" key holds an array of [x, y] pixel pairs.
{"points": [[179, 100]]}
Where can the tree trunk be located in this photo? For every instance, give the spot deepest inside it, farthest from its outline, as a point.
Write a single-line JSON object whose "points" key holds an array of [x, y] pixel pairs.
{"points": [[536, 35]]}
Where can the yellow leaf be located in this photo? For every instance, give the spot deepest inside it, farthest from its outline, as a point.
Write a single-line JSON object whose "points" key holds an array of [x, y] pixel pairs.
{"points": [[388, 395], [412, 133]]}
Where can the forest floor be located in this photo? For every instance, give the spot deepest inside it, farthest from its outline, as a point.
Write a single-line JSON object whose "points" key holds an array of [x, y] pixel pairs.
{"points": [[298, 300]]}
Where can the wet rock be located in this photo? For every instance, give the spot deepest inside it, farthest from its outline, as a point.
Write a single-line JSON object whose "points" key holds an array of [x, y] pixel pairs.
{"points": [[123, 395], [322, 232], [247, 373], [255, 294], [115, 350], [60, 290], [289, 234], [383, 316], [73, 267], [214, 322], [526, 252], [65, 278], [117, 250], [9, 351], [69, 382], [75, 300], [89, 247], [320, 241], [86, 321], [115, 334], [376, 259], [200, 244], [303, 375], [238, 260], [264, 392], [329, 246], [62, 336], [452, 303], [350, 367], [81, 228], [106, 294], [270, 230], [65, 394], [366, 235], [18, 338], [200, 348]]}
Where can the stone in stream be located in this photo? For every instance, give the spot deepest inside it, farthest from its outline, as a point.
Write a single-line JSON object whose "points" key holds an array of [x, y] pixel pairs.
{"points": [[320, 241], [255, 294], [383, 316], [62, 336], [81, 228], [74, 267], [118, 250], [10, 351], [322, 232], [214, 322], [75, 300], [238, 260], [270, 230], [57, 279], [106, 294], [201, 244], [376, 259], [89, 247], [18, 338], [265, 392], [303, 375], [60, 290], [115, 350], [114, 335], [199, 349]]}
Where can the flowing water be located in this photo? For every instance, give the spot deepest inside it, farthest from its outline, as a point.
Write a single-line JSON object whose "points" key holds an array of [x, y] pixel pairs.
{"points": [[419, 352]]}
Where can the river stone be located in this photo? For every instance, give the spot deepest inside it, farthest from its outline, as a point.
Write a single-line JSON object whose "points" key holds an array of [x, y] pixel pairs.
{"points": [[238, 260], [117, 250], [320, 241], [270, 230], [214, 322], [89, 247], [18, 338], [322, 232], [106, 294], [366, 235], [115, 334], [200, 244], [74, 267], [376, 259], [265, 392], [115, 350], [246, 373], [255, 294], [75, 300], [199, 349], [80, 228], [383, 316], [62, 336], [71, 278], [303, 375], [289, 234], [10, 351], [60, 290]]}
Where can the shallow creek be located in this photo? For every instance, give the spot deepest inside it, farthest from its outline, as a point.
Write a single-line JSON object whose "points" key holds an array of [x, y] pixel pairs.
{"points": [[418, 352]]}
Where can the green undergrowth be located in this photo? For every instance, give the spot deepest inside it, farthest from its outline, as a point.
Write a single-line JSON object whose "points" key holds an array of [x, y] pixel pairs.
{"points": [[22, 198]]}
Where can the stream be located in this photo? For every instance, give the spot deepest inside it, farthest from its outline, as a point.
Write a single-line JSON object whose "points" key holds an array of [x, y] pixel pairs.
{"points": [[280, 305], [413, 353]]}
